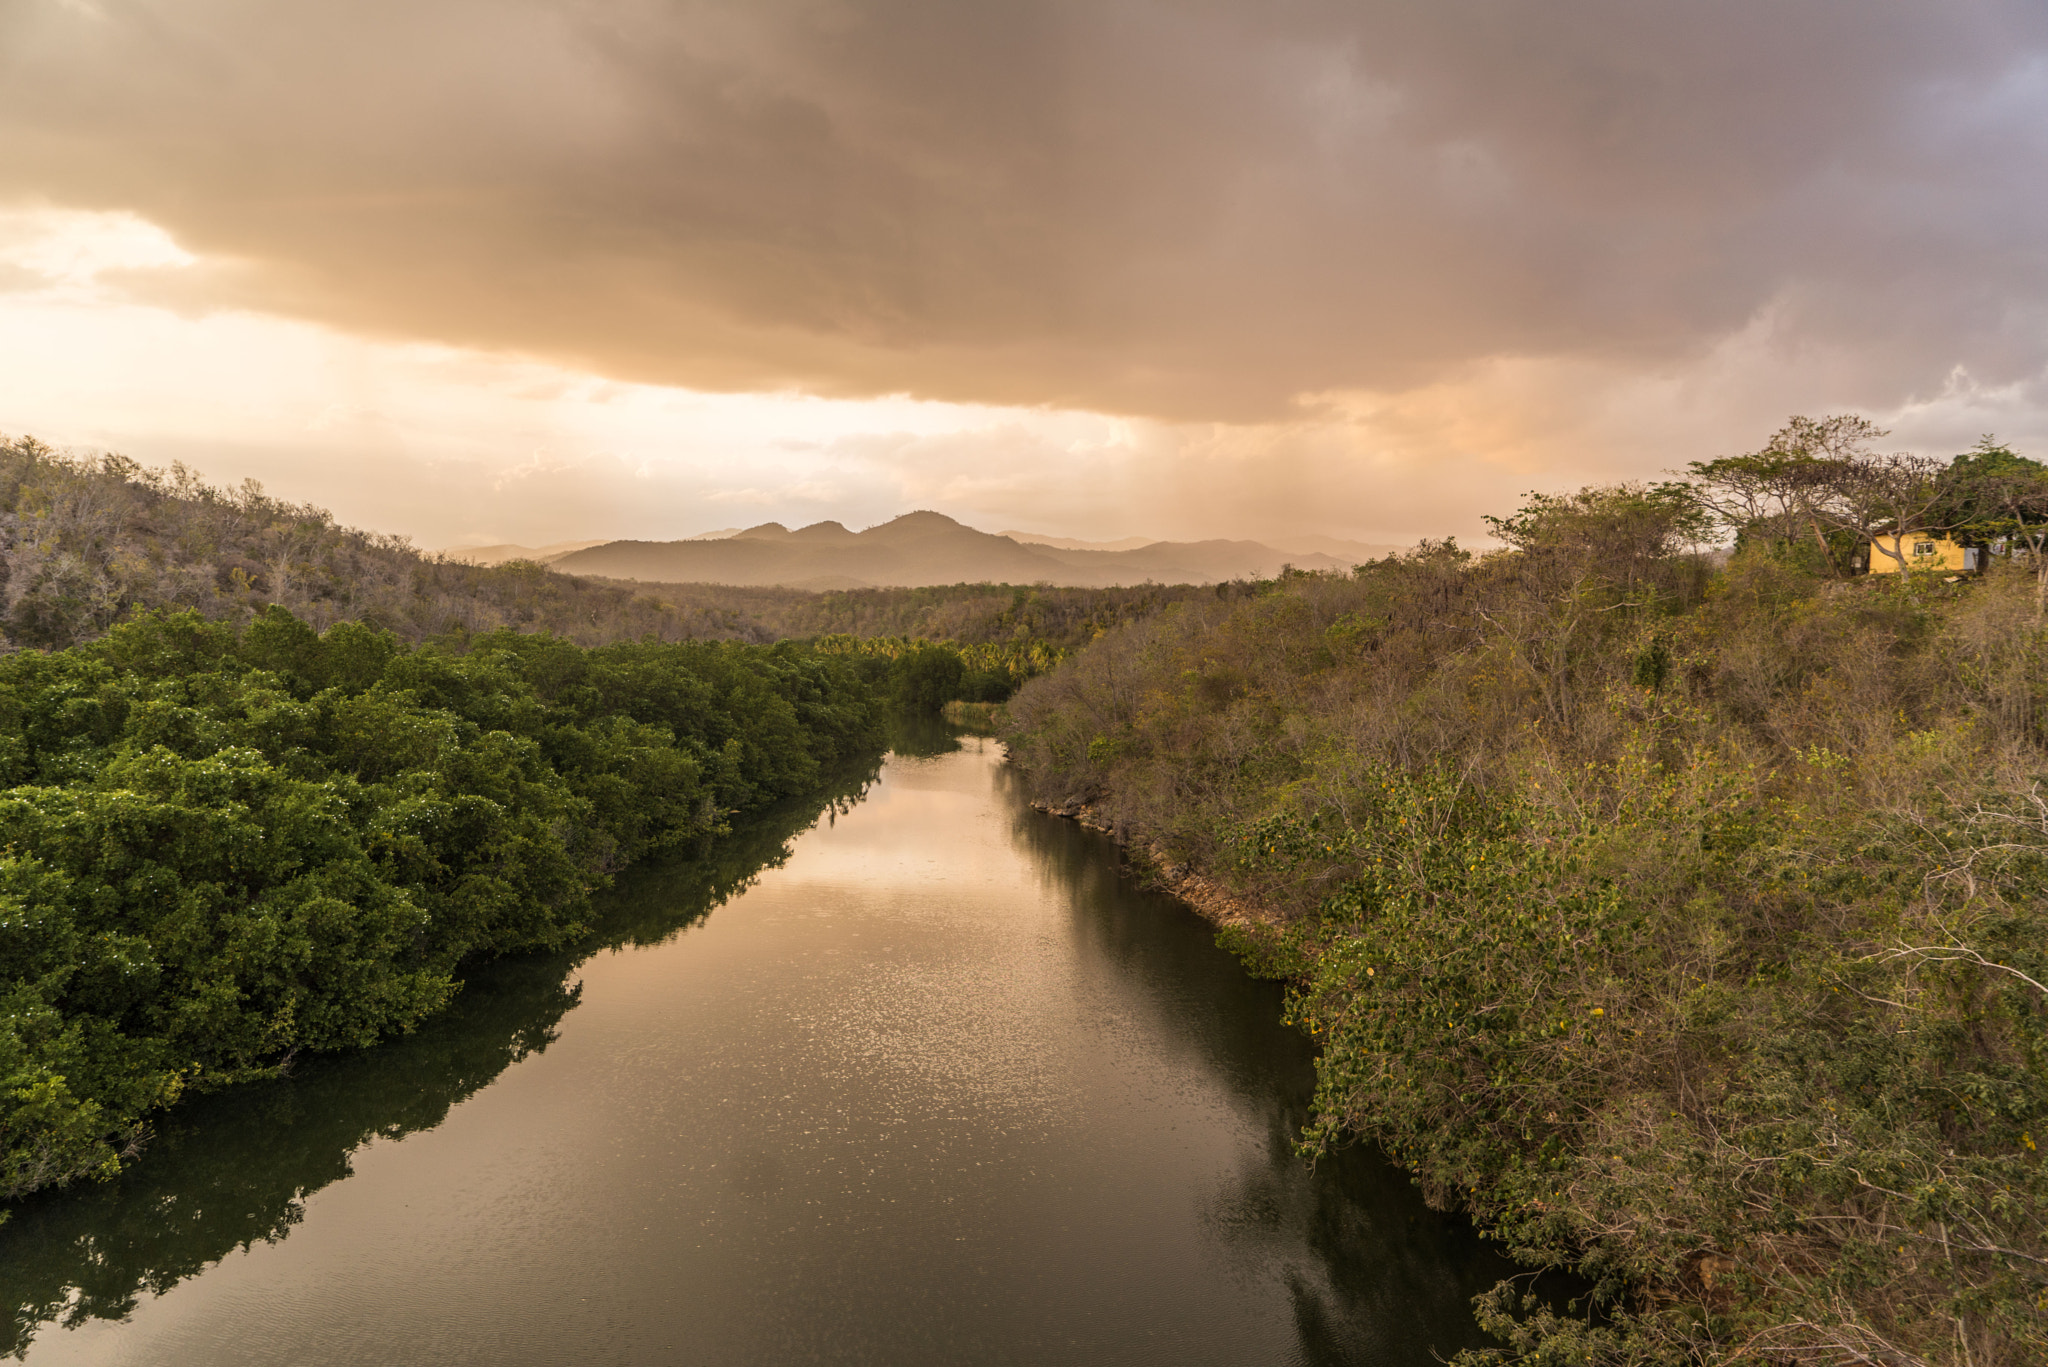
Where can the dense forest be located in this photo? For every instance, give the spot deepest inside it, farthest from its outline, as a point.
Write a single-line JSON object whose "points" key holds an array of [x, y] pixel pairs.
{"points": [[1682, 914], [970, 614], [242, 1170], [223, 846]]}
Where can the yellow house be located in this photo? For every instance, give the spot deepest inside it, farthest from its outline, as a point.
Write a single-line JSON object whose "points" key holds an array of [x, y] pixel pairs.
{"points": [[1923, 551]]}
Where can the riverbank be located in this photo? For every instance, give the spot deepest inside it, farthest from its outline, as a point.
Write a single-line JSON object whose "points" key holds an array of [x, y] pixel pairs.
{"points": [[976, 716], [913, 1084], [1213, 901], [282, 843], [1702, 958]]}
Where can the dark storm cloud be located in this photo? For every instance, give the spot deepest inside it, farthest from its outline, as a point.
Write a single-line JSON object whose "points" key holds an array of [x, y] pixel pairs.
{"points": [[1189, 210]]}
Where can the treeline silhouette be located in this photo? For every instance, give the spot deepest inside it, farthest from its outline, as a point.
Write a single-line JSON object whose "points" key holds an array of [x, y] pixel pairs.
{"points": [[1682, 915]]}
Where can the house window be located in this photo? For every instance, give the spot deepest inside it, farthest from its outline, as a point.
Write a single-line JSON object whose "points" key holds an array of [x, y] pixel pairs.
{"points": [[1923, 548]]}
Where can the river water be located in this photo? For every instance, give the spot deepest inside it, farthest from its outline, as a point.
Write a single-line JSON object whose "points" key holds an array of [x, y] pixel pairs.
{"points": [[920, 1078]]}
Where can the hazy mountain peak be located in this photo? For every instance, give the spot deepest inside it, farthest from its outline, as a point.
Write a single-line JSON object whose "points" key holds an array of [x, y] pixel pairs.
{"points": [[1075, 543], [922, 519], [507, 551], [926, 547], [823, 531], [923, 525]]}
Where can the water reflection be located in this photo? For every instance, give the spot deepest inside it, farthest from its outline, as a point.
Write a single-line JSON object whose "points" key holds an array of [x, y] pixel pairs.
{"points": [[923, 735], [228, 1171], [943, 1086], [1369, 1267]]}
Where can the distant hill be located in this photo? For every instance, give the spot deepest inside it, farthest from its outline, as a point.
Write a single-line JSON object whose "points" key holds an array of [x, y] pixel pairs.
{"points": [[1348, 552], [1069, 543], [925, 548], [86, 541], [507, 552]]}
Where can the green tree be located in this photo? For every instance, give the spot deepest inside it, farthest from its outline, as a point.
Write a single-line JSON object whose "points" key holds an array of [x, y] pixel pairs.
{"points": [[1995, 495], [927, 678], [224, 847]]}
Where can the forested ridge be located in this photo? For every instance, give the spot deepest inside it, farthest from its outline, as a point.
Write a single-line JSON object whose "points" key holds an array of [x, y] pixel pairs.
{"points": [[87, 540], [969, 614], [1681, 914]]}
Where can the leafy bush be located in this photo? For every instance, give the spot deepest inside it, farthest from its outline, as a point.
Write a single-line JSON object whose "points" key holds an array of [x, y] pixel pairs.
{"points": [[223, 847]]}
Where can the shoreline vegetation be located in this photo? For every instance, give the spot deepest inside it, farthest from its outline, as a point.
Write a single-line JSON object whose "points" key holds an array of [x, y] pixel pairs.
{"points": [[270, 786], [239, 1167], [1682, 916], [222, 848], [979, 716]]}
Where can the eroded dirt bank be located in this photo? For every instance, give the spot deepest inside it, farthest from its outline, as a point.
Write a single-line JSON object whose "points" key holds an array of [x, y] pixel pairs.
{"points": [[1217, 904]]}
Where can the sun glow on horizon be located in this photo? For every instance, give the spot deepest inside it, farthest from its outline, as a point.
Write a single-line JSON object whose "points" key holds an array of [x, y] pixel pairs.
{"points": [[110, 339]]}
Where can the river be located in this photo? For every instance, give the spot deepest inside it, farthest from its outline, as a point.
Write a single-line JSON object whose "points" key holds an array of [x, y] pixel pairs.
{"points": [[917, 1078]]}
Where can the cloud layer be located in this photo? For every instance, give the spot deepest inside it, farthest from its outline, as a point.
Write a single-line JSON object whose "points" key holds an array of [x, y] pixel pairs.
{"points": [[457, 446], [1185, 211], [545, 271]]}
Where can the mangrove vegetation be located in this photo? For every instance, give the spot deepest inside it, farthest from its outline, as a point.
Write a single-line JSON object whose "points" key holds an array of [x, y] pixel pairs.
{"points": [[221, 848]]}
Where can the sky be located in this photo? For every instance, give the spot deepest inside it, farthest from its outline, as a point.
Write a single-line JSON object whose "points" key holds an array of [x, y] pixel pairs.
{"points": [[540, 271]]}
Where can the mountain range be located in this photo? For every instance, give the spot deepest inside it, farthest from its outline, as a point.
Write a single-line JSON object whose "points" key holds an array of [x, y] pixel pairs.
{"points": [[916, 550]]}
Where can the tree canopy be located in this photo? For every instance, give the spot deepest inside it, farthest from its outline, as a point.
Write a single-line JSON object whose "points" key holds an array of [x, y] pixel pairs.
{"points": [[223, 847]]}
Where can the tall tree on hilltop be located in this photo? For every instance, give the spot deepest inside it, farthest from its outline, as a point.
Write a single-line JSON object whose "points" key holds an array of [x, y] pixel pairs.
{"points": [[1996, 494], [1778, 492]]}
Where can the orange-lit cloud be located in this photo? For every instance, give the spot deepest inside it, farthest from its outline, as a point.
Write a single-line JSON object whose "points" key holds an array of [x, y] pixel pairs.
{"points": [[483, 270]]}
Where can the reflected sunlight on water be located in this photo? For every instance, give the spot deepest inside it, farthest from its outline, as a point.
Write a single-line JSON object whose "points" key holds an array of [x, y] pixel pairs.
{"points": [[941, 1087]]}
